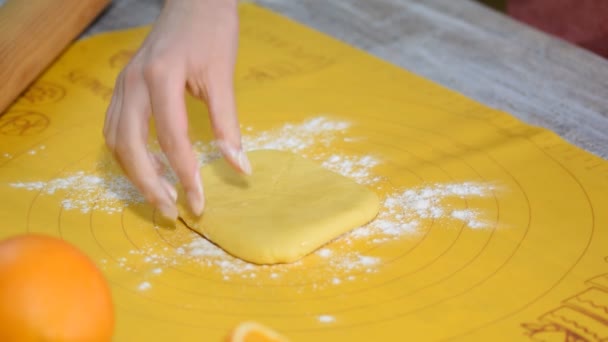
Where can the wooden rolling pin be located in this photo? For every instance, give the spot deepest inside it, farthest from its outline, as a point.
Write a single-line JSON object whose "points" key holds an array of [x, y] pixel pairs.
{"points": [[32, 35]]}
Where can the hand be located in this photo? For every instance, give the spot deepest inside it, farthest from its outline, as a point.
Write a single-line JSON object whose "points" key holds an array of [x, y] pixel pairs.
{"points": [[192, 46]]}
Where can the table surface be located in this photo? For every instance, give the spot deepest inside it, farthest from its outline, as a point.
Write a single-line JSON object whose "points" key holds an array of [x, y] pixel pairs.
{"points": [[460, 44]]}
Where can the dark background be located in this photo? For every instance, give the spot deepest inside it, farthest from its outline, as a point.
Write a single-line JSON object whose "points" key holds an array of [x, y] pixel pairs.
{"points": [[499, 5]]}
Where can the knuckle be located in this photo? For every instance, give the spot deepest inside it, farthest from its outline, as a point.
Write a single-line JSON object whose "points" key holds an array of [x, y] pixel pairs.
{"points": [[149, 194], [131, 75], [169, 142], [122, 150], [149, 188], [154, 70], [110, 143], [145, 188], [108, 139], [221, 74]]}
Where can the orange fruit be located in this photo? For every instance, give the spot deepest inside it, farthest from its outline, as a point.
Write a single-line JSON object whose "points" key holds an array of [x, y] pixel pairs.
{"points": [[50, 291], [254, 332]]}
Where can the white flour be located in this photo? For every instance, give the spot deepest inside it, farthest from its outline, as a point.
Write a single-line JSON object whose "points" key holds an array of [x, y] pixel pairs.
{"points": [[404, 212], [144, 286], [289, 137], [87, 191], [326, 319], [36, 150], [297, 137], [358, 168]]}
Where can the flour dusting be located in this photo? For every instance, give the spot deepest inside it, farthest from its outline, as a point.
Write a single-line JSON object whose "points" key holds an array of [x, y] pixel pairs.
{"points": [[402, 214], [404, 211], [88, 192], [359, 168], [112, 193], [297, 137], [144, 286], [326, 319], [35, 150]]}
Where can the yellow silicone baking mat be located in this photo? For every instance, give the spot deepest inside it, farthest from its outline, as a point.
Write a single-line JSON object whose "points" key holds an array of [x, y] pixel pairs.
{"points": [[490, 229]]}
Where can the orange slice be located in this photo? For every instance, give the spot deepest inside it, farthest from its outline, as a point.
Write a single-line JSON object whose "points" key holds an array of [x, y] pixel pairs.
{"points": [[254, 332]]}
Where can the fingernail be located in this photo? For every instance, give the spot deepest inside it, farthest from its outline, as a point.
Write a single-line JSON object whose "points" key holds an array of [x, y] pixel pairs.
{"points": [[244, 162], [196, 203], [170, 189], [238, 157], [197, 181], [195, 197], [169, 212]]}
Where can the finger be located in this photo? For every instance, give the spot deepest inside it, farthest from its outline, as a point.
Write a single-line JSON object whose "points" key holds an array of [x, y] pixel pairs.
{"points": [[133, 155], [157, 162], [113, 116], [222, 109], [169, 110], [108, 116]]}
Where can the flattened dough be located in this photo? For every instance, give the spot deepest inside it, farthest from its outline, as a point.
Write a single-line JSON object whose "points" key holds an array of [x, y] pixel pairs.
{"points": [[286, 209]]}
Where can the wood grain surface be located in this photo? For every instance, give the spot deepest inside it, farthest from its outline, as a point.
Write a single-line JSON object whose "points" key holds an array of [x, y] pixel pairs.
{"points": [[460, 44], [33, 33]]}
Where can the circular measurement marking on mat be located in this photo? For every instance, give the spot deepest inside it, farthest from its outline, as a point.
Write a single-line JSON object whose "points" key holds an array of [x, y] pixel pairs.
{"points": [[485, 229], [314, 297], [43, 92], [22, 123], [443, 239]]}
